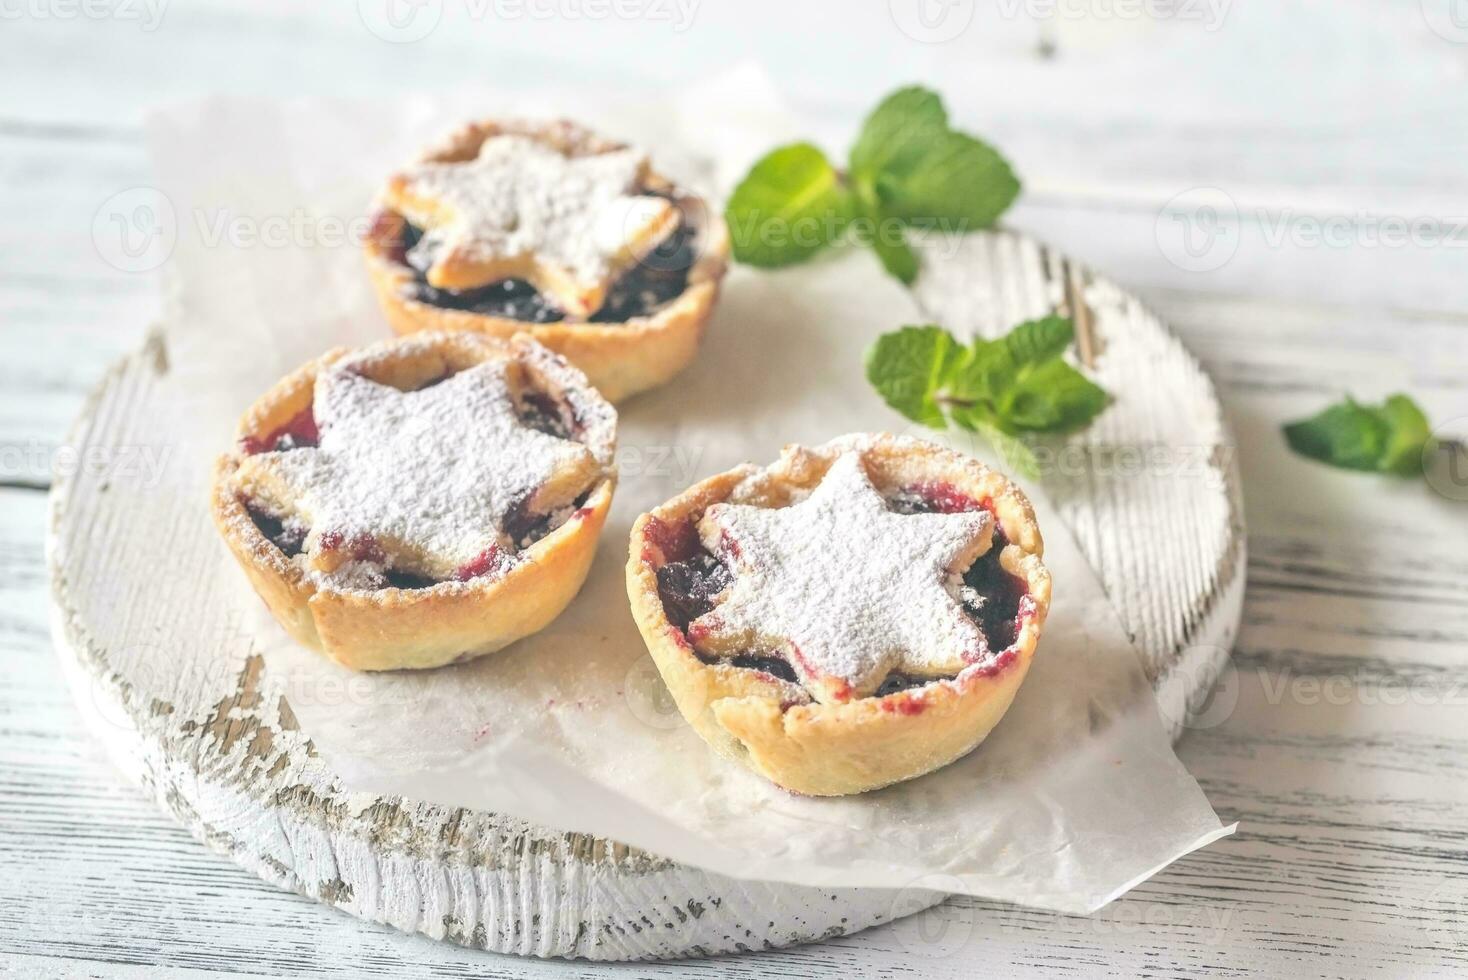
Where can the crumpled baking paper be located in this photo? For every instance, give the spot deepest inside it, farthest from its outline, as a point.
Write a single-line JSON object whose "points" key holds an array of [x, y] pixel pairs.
{"points": [[1077, 795]]}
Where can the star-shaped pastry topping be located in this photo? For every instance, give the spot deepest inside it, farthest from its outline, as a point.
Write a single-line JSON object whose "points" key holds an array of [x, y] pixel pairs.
{"points": [[421, 481], [845, 588], [523, 210]]}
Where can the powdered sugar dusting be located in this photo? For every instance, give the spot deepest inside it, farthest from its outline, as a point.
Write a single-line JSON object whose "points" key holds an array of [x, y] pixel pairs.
{"points": [[521, 197], [848, 589], [422, 481]]}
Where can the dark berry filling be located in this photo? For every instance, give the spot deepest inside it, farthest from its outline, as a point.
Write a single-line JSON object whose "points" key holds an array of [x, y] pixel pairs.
{"points": [[1000, 604], [1003, 596], [774, 666], [289, 538], [299, 432], [932, 498], [406, 580], [901, 682], [660, 277], [525, 527], [553, 416], [688, 588]]}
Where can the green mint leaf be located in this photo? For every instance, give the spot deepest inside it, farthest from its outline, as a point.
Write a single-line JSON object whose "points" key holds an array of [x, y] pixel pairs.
{"points": [[789, 206], [897, 258], [896, 134], [1408, 434], [1386, 438], [1348, 435], [907, 169], [908, 366], [1000, 389], [957, 184], [984, 373], [1039, 340], [1052, 397]]}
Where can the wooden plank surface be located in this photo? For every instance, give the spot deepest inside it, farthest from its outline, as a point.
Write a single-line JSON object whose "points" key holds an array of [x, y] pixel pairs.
{"points": [[1338, 739]]}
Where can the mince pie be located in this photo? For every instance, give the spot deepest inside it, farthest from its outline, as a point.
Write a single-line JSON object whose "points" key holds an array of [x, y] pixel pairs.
{"points": [[420, 501], [854, 615], [551, 230]]}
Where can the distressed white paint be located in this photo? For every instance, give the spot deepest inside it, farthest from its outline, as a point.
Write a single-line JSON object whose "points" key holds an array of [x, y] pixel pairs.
{"points": [[200, 720]]}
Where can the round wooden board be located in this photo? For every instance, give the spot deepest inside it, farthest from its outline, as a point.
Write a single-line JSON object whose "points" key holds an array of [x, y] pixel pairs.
{"points": [[1151, 492]]}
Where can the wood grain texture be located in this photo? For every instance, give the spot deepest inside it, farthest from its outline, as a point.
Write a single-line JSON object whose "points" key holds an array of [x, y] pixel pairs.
{"points": [[1352, 858]]}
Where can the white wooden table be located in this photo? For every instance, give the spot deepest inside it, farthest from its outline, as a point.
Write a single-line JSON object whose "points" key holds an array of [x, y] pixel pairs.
{"points": [[1338, 740]]}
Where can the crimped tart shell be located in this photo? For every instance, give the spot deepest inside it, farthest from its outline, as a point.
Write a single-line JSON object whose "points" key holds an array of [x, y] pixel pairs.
{"points": [[621, 358], [839, 749], [392, 628]]}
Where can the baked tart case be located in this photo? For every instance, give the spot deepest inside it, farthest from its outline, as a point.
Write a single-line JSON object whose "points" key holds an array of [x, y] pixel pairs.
{"points": [[419, 501], [854, 615], [550, 230]]}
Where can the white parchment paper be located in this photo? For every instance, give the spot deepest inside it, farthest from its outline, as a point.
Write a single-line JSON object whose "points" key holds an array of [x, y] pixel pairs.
{"points": [[1076, 797]]}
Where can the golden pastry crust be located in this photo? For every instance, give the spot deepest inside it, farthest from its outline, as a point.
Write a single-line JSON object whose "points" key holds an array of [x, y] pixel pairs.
{"points": [[395, 628], [620, 358], [770, 725]]}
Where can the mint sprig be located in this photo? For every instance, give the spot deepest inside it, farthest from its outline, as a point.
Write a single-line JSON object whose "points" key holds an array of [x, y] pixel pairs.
{"points": [[1002, 389], [907, 170], [1386, 438], [790, 206]]}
